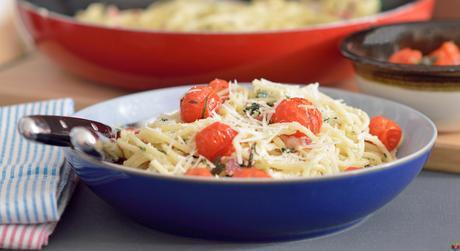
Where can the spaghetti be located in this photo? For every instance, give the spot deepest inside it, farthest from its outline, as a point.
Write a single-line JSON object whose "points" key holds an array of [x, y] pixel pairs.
{"points": [[257, 140]]}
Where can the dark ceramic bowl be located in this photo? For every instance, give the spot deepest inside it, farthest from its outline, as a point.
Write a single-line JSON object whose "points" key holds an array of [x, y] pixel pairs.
{"points": [[252, 209], [143, 59], [430, 89]]}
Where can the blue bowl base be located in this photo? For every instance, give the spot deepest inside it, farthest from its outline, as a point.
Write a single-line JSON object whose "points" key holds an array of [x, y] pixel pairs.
{"points": [[311, 234]]}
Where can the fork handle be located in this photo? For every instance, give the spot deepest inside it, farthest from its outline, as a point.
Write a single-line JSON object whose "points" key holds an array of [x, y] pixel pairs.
{"points": [[55, 130]]}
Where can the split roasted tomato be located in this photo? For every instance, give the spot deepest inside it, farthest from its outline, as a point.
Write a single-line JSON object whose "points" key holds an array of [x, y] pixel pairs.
{"points": [[352, 168], [199, 171], [199, 103], [215, 141], [250, 173], [406, 56], [220, 87], [298, 110], [387, 131], [447, 54]]}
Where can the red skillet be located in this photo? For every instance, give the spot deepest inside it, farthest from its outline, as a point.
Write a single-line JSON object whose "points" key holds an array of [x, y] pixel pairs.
{"points": [[141, 59]]}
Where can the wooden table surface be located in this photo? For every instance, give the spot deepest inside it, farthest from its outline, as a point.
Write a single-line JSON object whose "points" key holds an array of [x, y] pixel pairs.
{"points": [[34, 78]]}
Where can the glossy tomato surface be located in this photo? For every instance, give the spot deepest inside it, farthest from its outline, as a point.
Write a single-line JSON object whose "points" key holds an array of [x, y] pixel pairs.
{"points": [[142, 59]]}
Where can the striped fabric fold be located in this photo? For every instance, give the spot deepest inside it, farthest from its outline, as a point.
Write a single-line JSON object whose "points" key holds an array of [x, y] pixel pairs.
{"points": [[35, 184]]}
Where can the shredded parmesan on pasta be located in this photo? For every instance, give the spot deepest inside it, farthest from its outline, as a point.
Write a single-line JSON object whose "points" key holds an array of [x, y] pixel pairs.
{"points": [[167, 146]]}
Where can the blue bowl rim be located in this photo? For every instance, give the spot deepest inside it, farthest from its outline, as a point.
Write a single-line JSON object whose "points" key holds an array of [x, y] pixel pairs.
{"points": [[381, 167], [338, 24]]}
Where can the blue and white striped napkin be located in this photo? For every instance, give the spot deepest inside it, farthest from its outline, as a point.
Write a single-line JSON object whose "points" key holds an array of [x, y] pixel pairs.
{"points": [[35, 183]]}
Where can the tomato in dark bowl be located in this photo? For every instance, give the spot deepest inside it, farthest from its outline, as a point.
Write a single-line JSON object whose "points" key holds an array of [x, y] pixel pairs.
{"points": [[414, 63]]}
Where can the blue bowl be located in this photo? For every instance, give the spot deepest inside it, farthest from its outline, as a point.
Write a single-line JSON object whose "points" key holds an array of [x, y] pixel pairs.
{"points": [[248, 209]]}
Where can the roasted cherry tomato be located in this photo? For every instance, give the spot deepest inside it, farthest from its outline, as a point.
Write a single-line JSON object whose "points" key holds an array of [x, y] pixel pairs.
{"points": [[298, 110], [406, 56], [133, 129], [447, 54], [215, 141], [218, 85], [198, 171], [295, 140], [198, 103], [250, 173], [351, 168], [387, 131]]}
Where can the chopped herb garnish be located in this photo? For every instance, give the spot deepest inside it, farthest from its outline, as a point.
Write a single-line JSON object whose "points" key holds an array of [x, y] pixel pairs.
{"points": [[143, 148], [287, 150], [203, 113], [384, 154], [220, 167], [261, 94], [252, 109], [251, 155], [326, 120], [163, 119]]}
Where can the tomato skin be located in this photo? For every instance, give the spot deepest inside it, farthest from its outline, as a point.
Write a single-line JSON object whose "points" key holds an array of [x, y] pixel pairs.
{"points": [[388, 132], [218, 85], [295, 140], [199, 103], [447, 54], [133, 129], [352, 168], [406, 56], [293, 110], [215, 141], [198, 171], [250, 173]]}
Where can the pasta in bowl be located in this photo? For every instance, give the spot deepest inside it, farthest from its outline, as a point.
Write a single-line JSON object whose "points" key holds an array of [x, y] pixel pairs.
{"points": [[268, 130], [283, 207]]}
